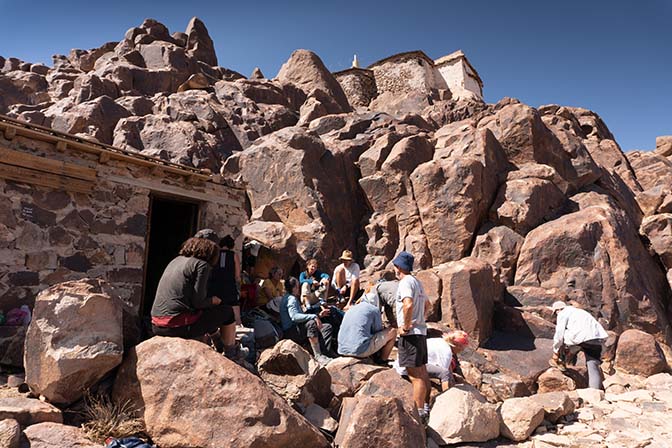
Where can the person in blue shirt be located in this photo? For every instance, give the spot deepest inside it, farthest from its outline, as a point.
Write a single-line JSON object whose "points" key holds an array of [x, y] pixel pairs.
{"points": [[299, 324], [362, 333], [314, 284]]}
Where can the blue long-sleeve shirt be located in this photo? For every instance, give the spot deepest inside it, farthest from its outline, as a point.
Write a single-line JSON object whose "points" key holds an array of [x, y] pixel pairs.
{"points": [[291, 312], [304, 278]]}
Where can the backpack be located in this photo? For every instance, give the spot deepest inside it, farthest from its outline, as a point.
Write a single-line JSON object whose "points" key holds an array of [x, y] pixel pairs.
{"points": [[128, 442], [265, 333]]}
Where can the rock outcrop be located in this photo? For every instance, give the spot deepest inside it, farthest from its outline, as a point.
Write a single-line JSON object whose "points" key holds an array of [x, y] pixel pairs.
{"points": [[64, 361]]}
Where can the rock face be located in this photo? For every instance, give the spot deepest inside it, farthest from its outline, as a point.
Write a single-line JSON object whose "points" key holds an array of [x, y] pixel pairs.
{"points": [[389, 384], [461, 415], [63, 360], [347, 374], [28, 411], [180, 412], [50, 435], [360, 425], [10, 433], [500, 247], [638, 353], [290, 371]]}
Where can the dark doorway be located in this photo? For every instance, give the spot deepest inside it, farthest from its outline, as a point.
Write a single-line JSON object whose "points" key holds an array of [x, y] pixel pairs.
{"points": [[171, 222]]}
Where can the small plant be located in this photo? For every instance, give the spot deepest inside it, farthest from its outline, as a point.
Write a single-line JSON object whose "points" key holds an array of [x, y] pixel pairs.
{"points": [[107, 419]]}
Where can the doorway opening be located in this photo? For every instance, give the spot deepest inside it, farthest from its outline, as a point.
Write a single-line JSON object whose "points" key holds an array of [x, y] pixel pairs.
{"points": [[171, 222]]}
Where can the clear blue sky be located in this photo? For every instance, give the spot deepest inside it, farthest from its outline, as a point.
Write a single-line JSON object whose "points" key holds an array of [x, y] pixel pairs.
{"points": [[614, 57]]}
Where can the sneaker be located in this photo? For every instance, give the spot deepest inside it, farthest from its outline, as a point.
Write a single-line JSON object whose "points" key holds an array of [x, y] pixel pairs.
{"points": [[424, 417]]}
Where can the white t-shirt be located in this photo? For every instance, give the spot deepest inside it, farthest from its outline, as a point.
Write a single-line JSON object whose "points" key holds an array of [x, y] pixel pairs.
{"points": [[351, 272], [439, 354], [410, 286]]}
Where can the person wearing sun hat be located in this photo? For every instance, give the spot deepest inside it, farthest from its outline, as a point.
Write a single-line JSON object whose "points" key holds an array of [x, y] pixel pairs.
{"points": [[346, 279], [576, 330], [412, 344]]}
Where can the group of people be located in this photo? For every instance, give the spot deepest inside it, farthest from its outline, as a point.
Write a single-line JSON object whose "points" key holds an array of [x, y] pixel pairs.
{"points": [[198, 298]]}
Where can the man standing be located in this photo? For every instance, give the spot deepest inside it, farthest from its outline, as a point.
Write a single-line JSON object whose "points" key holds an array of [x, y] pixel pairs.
{"points": [[412, 344], [362, 333], [576, 330], [346, 278]]}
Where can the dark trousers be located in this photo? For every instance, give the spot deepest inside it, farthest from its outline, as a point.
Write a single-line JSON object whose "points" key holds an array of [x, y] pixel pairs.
{"points": [[300, 333]]}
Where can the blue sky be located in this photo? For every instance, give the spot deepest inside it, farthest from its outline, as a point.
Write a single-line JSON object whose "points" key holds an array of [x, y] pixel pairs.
{"points": [[614, 57]]}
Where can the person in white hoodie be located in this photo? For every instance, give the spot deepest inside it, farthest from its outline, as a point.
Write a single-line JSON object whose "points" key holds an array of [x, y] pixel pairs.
{"points": [[576, 330]]}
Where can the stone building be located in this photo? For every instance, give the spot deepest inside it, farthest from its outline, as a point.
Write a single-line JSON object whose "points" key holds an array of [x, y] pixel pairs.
{"points": [[460, 76], [71, 208], [401, 73], [359, 85]]}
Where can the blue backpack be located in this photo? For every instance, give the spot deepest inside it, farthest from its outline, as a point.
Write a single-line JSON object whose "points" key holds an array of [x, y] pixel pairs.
{"points": [[129, 442]]}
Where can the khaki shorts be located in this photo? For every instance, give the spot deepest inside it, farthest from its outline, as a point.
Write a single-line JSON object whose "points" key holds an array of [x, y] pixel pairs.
{"points": [[377, 342]]}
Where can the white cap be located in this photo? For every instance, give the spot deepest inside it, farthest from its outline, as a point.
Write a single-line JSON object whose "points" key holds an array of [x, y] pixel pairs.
{"points": [[557, 306]]}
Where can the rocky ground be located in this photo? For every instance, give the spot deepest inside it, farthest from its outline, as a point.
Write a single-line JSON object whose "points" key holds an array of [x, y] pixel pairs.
{"points": [[506, 208]]}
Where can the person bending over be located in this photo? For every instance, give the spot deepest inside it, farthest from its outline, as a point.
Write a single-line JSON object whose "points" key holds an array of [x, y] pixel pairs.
{"points": [[576, 330], [362, 334], [442, 362], [298, 325], [182, 307]]}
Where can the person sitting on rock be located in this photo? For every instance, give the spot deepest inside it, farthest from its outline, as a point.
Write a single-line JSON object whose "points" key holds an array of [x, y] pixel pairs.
{"points": [[272, 287], [362, 334], [182, 307], [346, 279], [299, 325], [442, 362], [576, 330], [382, 295], [314, 284]]}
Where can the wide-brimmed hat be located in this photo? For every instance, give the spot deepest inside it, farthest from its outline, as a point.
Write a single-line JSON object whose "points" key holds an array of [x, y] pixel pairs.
{"points": [[346, 256], [404, 261], [558, 306]]}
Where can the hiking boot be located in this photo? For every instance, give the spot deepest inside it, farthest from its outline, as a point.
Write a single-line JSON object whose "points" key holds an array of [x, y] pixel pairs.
{"points": [[424, 417]]}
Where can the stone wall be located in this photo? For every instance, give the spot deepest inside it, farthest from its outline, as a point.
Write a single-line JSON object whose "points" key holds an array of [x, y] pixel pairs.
{"points": [[359, 85], [460, 77], [51, 235], [407, 73]]}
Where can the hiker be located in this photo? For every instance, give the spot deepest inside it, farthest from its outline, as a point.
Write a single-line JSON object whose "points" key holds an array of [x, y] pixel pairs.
{"points": [[314, 284], [576, 330], [272, 287], [299, 325], [442, 362], [383, 295], [362, 334], [346, 279], [412, 344], [182, 307]]}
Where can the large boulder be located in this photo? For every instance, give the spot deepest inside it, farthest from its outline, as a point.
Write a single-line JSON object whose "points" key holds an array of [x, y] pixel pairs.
{"points": [[10, 433], [158, 378], [499, 247], [597, 251], [658, 230], [29, 411], [520, 417], [454, 191], [199, 43], [51, 435], [555, 404], [348, 374], [94, 119], [290, 371], [389, 383], [460, 415], [469, 290], [378, 421], [75, 339], [638, 353], [305, 71]]}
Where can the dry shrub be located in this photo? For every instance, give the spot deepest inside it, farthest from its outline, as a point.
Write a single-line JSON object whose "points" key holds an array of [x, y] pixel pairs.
{"points": [[108, 419]]}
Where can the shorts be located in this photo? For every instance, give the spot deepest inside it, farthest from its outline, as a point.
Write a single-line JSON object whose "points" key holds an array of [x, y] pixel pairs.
{"points": [[209, 322], [377, 342], [412, 350]]}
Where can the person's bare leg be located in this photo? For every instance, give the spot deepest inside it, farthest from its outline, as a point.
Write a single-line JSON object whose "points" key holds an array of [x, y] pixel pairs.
{"points": [[354, 288], [228, 333], [387, 349], [445, 386], [339, 277], [419, 380], [236, 314]]}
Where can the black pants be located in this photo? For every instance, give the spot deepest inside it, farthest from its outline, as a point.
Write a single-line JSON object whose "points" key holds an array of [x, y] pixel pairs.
{"points": [[210, 321], [300, 333]]}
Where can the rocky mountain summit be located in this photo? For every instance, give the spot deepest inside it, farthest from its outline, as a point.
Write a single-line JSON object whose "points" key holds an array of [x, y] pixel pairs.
{"points": [[505, 207]]}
